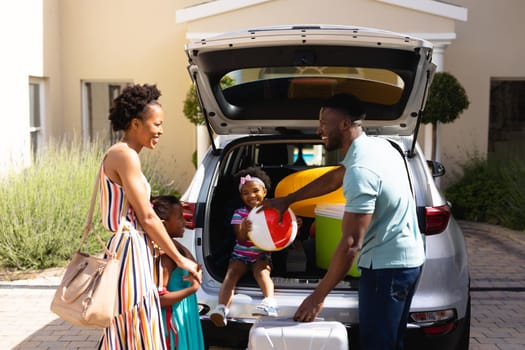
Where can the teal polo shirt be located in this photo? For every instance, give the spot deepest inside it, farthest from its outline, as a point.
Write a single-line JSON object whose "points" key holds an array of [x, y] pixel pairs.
{"points": [[376, 182]]}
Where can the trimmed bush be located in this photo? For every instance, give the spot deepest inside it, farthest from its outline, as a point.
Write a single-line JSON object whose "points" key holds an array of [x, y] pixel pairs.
{"points": [[491, 191]]}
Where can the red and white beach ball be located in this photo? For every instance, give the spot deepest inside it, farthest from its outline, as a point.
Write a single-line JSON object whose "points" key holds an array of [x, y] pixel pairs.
{"points": [[267, 233]]}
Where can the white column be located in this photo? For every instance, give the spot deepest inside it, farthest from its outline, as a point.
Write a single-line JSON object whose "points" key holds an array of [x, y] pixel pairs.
{"points": [[440, 42], [438, 54], [203, 142], [438, 57]]}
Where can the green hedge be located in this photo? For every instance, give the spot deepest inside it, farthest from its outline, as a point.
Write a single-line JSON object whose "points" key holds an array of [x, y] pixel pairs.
{"points": [[492, 191]]}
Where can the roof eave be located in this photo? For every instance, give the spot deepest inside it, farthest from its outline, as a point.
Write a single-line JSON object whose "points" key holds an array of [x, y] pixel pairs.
{"points": [[433, 7]]}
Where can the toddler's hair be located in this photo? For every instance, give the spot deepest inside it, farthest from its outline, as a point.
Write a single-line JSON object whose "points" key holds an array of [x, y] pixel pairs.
{"points": [[253, 172]]}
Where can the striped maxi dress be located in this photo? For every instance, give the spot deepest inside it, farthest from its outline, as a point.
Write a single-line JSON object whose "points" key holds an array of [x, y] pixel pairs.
{"points": [[138, 324]]}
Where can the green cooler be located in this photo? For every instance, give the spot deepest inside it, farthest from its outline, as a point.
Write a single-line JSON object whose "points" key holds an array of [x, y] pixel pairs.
{"points": [[328, 219]]}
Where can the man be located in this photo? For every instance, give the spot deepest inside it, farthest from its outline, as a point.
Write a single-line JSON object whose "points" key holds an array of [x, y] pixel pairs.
{"points": [[379, 221]]}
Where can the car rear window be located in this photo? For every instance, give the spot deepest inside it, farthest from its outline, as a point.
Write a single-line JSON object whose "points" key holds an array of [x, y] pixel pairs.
{"points": [[371, 85], [296, 92]]}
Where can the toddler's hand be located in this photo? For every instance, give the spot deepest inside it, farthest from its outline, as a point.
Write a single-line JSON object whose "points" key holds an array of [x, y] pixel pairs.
{"points": [[246, 226], [299, 222]]}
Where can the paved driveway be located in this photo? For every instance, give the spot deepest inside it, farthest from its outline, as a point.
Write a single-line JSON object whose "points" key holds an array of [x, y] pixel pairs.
{"points": [[497, 265], [497, 270]]}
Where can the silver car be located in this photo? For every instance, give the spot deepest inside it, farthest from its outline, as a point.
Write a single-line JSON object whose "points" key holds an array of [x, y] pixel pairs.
{"points": [[267, 116]]}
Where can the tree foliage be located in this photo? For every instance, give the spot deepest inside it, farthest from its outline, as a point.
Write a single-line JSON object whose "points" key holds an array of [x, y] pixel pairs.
{"points": [[447, 99], [191, 108]]}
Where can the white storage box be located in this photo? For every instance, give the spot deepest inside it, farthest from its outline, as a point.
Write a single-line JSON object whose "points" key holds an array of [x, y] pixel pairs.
{"points": [[286, 334]]}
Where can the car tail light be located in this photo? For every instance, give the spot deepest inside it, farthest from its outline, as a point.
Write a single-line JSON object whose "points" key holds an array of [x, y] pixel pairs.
{"points": [[439, 329], [436, 219], [435, 322], [188, 212]]}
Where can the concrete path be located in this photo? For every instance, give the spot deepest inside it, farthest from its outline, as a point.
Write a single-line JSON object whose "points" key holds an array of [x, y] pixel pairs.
{"points": [[497, 266]]}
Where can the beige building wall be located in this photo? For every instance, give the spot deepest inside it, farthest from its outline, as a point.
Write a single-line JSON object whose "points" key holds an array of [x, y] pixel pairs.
{"points": [[52, 64], [366, 13], [488, 46], [63, 43], [129, 41]]}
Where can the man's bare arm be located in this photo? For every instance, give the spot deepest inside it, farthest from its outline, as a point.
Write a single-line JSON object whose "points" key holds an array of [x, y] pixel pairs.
{"points": [[326, 183], [354, 227]]}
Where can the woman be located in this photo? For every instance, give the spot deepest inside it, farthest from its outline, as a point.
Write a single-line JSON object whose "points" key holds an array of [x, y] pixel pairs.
{"points": [[138, 324]]}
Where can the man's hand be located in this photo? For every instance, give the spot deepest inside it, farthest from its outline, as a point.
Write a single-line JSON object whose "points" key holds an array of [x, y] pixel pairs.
{"points": [[309, 309], [281, 204], [327, 183]]}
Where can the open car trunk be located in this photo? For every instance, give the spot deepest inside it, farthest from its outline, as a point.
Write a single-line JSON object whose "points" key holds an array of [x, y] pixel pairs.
{"points": [[273, 80], [300, 265]]}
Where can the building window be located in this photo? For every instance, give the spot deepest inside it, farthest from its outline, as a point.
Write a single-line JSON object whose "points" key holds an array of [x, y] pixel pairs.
{"points": [[36, 113], [96, 102], [507, 117]]}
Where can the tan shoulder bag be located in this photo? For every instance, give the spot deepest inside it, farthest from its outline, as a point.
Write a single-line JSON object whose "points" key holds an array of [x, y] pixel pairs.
{"points": [[87, 294]]}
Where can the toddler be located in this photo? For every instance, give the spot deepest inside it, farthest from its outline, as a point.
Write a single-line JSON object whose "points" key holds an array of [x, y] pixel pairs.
{"points": [[253, 184]]}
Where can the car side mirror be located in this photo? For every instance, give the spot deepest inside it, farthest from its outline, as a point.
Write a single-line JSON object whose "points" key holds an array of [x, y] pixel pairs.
{"points": [[437, 168]]}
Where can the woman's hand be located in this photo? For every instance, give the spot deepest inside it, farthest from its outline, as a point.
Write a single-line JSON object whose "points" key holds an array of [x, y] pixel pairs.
{"points": [[194, 283], [192, 267]]}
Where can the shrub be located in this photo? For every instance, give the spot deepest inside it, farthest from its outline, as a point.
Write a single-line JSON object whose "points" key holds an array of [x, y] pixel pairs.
{"points": [[43, 209], [512, 214], [191, 108], [160, 181], [447, 99], [492, 191]]}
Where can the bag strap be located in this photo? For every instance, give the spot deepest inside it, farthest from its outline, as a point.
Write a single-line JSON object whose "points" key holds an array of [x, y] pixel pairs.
{"points": [[89, 223]]}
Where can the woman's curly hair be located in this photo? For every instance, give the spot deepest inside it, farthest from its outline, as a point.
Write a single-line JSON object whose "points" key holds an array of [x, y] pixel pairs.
{"points": [[254, 172], [131, 104]]}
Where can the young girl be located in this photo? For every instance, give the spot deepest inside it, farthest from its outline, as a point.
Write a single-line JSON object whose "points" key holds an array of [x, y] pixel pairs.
{"points": [[180, 311], [253, 186]]}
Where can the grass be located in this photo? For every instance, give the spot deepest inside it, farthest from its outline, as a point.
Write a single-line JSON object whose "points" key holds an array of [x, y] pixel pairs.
{"points": [[43, 209]]}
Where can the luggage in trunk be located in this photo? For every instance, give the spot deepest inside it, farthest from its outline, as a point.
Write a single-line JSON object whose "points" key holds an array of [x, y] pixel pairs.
{"points": [[284, 334]]}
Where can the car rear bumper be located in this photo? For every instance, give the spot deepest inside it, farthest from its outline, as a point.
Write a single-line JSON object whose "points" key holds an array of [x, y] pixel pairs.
{"points": [[235, 335]]}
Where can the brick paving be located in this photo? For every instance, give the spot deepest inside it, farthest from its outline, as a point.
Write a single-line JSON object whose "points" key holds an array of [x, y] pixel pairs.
{"points": [[497, 267], [27, 324], [497, 271]]}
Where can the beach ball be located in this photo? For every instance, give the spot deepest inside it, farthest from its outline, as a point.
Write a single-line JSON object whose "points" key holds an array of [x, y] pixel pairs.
{"points": [[267, 233]]}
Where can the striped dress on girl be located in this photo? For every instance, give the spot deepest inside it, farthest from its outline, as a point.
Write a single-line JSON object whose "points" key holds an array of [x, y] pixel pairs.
{"points": [[138, 324]]}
